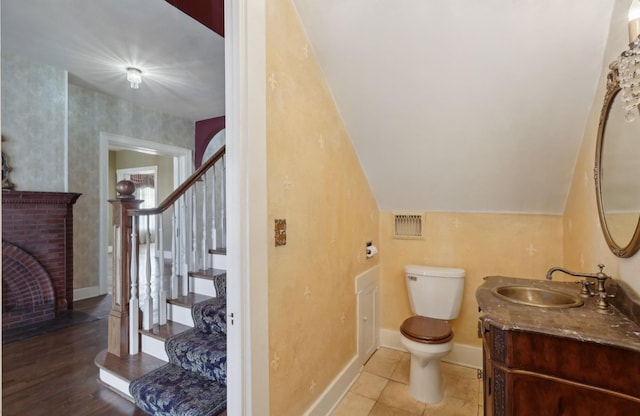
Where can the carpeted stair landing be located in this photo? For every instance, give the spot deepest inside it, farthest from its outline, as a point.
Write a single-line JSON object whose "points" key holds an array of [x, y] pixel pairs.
{"points": [[194, 382]]}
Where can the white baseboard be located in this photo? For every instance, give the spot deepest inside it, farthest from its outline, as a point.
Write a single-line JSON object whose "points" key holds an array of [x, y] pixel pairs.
{"points": [[391, 339], [340, 385], [465, 355], [461, 354], [86, 292]]}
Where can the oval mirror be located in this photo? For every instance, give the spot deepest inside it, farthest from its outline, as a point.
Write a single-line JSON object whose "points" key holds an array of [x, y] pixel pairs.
{"points": [[617, 173]]}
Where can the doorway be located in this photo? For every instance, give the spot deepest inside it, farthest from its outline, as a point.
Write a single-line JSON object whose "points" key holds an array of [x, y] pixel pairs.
{"points": [[182, 169]]}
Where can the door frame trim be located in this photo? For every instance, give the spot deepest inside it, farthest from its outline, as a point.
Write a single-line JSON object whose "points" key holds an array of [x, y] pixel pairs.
{"points": [[182, 168]]}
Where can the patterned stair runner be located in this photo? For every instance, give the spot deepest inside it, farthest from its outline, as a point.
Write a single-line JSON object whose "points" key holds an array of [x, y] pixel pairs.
{"points": [[194, 382]]}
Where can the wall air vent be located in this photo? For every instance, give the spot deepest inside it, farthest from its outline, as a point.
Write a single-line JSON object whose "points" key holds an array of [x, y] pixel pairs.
{"points": [[408, 225]]}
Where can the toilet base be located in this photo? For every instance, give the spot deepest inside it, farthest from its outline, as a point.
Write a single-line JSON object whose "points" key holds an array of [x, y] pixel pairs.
{"points": [[425, 381]]}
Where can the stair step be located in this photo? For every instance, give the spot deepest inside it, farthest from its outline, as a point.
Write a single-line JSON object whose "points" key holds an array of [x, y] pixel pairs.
{"points": [[200, 281], [152, 341], [189, 300], [200, 352], [218, 258], [179, 309], [162, 332], [209, 273], [211, 315], [117, 372], [171, 390]]}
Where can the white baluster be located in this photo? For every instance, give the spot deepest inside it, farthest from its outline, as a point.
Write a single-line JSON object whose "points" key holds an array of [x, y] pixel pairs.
{"points": [[203, 228], [194, 228], [134, 345], [175, 244], [147, 313], [162, 292], [184, 240], [214, 240]]}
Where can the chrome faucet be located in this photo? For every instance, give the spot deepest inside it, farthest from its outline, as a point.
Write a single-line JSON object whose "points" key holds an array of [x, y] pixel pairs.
{"points": [[601, 277]]}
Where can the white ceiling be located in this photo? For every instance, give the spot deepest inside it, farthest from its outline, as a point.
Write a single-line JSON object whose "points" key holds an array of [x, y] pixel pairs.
{"points": [[95, 40], [472, 106], [451, 105]]}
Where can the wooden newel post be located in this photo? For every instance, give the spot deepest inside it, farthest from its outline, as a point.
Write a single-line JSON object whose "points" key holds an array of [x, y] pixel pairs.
{"points": [[118, 343]]}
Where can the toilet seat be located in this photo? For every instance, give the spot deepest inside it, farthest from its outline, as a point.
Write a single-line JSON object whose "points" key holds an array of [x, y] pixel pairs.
{"points": [[426, 330]]}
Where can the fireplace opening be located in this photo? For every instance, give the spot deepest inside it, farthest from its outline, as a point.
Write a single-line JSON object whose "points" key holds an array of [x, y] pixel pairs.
{"points": [[28, 296]]}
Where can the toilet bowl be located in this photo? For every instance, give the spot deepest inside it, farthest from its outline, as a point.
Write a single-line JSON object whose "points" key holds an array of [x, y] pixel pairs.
{"points": [[427, 340], [435, 295]]}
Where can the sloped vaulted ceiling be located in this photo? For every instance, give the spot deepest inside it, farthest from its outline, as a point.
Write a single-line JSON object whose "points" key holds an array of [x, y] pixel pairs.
{"points": [[463, 105]]}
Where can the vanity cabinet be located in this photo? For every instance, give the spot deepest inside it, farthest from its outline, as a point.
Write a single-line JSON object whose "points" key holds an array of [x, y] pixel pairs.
{"points": [[528, 373]]}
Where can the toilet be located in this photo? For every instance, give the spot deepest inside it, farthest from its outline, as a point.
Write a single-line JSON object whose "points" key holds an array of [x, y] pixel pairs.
{"points": [[435, 294]]}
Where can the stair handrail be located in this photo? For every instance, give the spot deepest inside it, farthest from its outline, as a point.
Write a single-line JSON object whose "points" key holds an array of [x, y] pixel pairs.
{"points": [[125, 316], [180, 190]]}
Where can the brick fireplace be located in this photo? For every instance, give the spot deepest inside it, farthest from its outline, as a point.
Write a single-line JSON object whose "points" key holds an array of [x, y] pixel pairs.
{"points": [[37, 256]]}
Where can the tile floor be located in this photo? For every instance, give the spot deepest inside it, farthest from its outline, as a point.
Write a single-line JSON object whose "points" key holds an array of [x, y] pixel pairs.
{"points": [[383, 389]]}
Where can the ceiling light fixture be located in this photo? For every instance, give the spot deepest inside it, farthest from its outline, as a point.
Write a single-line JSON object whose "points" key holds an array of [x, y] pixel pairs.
{"points": [[134, 76], [629, 65]]}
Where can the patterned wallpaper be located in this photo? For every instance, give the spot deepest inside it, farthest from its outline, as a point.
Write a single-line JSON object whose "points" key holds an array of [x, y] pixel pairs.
{"points": [[34, 115], [34, 100], [316, 183], [92, 112]]}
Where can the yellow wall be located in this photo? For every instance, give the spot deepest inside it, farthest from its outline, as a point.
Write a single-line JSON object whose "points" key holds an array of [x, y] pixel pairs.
{"points": [[316, 183], [483, 244], [584, 244]]}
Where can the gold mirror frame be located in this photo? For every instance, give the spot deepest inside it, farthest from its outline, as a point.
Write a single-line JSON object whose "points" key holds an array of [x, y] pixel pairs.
{"points": [[613, 87]]}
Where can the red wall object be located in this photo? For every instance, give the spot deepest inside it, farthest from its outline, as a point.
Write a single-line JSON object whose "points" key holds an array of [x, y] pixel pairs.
{"points": [[205, 131], [209, 13]]}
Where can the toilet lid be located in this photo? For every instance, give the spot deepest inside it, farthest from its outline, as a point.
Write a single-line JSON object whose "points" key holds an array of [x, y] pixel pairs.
{"points": [[426, 330]]}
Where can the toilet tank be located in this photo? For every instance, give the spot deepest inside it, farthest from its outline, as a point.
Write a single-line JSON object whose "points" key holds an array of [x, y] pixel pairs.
{"points": [[435, 292]]}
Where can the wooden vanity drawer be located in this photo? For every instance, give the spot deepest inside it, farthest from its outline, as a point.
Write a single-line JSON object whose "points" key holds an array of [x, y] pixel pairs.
{"points": [[583, 362], [535, 395]]}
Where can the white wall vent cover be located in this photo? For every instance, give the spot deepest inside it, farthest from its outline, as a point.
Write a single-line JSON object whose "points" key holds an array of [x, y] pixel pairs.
{"points": [[408, 225]]}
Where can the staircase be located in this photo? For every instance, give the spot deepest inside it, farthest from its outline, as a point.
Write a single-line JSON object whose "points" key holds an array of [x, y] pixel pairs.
{"points": [[194, 381], [167, 350]]}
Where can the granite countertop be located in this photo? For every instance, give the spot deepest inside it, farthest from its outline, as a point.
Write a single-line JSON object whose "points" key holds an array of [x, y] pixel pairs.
{"points": [[584, 323]]}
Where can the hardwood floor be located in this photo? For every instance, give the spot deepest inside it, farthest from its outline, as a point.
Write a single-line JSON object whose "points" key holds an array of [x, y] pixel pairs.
{"points": [[54, 374]]}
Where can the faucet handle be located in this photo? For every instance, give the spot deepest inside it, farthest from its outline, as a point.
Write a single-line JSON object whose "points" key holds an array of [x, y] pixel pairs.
{"points": [[601, 303], [584, 291], [601, 277]]}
